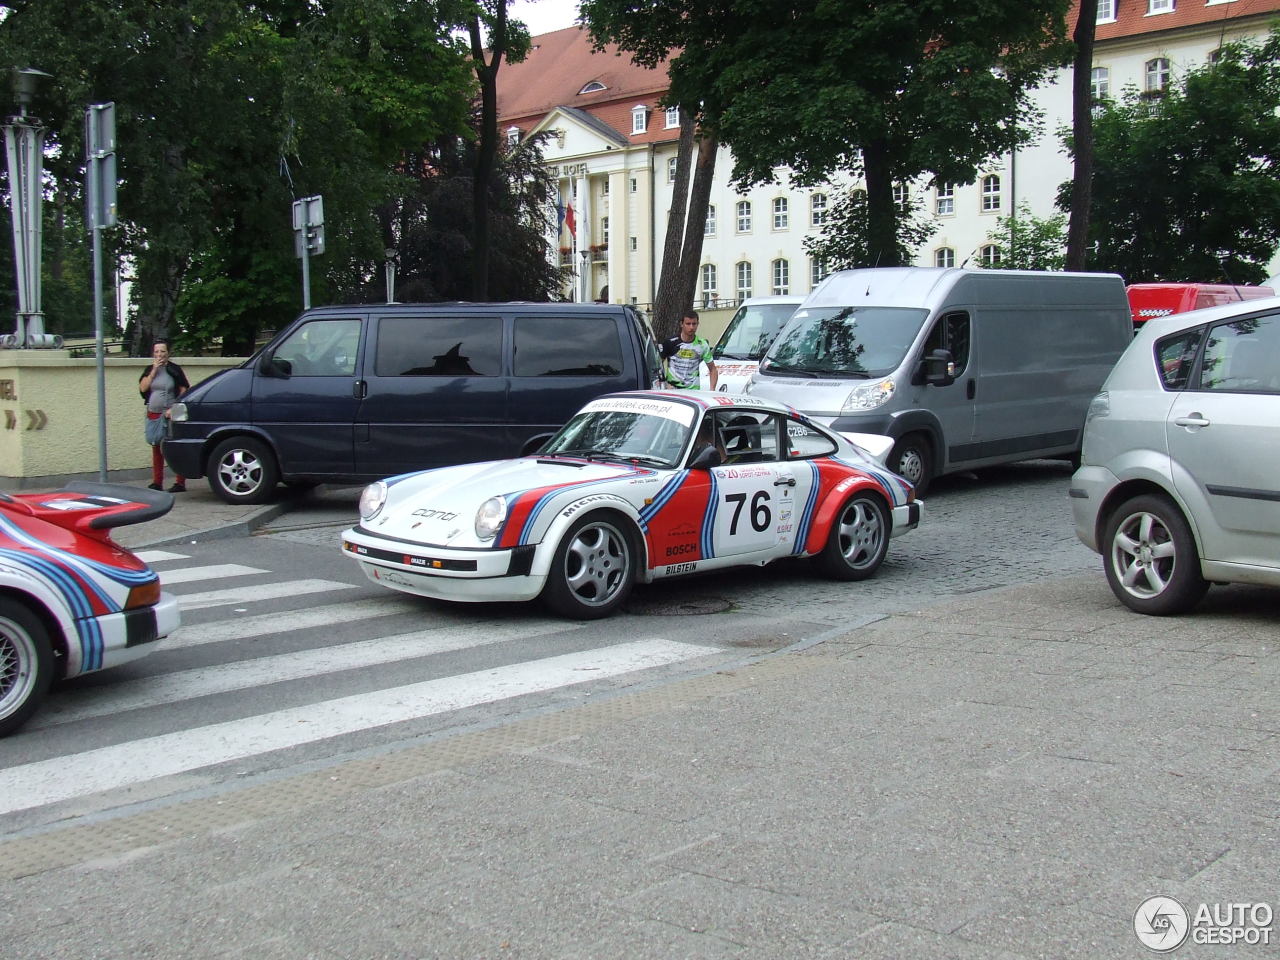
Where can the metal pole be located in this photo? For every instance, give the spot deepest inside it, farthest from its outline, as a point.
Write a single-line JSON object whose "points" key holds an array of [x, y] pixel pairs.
{"points": [[100, 353], [306, 267]]}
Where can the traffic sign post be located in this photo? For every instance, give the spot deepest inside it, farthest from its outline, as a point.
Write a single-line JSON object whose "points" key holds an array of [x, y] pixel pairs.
{"points": [[100, 213], [308, 238]]}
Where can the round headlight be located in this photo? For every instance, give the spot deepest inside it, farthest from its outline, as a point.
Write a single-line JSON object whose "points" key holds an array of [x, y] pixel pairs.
{"points": [[490, 517], [371, 500], [868, 396]]}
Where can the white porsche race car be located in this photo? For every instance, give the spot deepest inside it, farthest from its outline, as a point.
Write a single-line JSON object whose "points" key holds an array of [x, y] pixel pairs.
{"points": [[637, 486]]}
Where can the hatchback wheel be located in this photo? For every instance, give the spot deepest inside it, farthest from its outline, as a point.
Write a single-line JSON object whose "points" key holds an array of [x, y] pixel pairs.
{"points": [[1150, 557]]}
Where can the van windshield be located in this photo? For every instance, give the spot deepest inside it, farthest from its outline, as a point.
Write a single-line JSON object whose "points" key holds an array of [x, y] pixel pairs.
{"points": [[752, 329], [844, 342]]}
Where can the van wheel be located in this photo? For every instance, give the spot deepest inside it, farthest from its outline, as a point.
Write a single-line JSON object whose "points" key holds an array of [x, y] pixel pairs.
{"points": [[243, 470], [26, 664], [858, 540], [592, 571], [1150, 557], [912, 459]]}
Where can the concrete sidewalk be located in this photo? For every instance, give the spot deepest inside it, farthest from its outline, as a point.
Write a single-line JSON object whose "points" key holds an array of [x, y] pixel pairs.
{"points": [[1005, 775]]}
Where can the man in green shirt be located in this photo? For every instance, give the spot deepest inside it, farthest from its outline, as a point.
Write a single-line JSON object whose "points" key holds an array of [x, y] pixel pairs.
{"points": [[683, 354]]}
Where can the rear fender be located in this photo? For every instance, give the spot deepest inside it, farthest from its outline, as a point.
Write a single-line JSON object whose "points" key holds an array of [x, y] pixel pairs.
{"points": [[825, 516]]}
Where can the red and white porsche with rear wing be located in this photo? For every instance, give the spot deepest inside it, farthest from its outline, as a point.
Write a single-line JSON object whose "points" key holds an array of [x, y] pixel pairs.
{"points": [[637, 486], [73, 601]]}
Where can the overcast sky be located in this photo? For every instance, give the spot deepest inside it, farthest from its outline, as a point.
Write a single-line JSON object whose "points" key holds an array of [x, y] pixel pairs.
{"points": [[543, 16]]}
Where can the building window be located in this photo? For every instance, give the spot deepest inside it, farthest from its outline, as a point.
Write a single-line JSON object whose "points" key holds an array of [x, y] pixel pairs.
{"points": [[944, 257], [1106, 11], [672, 117], [1159, 6], [635, 244], [900, 196], [990, 193], [744, 216], [1214, 57], [595, 86], [635, 184], [1100, 84], [781, 278], [639, 119], [604, 230], [604, 187], [990, 255], [1157, 74], [710, 230], [818, 271], [671, 169], [513, 136], [710, 288], [818, 210], [743, 270], [946, 202], [780, 215]]}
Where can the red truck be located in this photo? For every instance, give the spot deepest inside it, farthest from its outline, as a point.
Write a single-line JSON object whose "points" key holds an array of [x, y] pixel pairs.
{"points": [[1147, 300]]}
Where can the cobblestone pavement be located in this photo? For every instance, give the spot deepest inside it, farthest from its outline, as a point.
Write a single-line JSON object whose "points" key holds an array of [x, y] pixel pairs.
{"points": [[999, 527]]}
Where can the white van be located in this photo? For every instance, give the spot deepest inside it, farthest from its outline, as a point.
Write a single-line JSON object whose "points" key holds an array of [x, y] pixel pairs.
{"points": [[750, 331], [961, 368]]}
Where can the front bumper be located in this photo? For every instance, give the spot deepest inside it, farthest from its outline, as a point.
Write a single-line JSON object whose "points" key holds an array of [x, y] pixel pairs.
{"points": [[443, 573], [907, 517], [183, 456], [1089, 489]]}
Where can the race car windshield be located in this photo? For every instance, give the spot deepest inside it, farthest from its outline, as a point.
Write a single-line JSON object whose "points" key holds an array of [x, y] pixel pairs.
{"points": [[618, 435], [852, 342]]}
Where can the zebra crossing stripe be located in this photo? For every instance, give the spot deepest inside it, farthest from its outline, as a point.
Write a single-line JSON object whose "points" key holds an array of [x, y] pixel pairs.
{"points": [[66, 777], [283, 621], [245, 674], [159, 556], [216, 571], [261, 591]]}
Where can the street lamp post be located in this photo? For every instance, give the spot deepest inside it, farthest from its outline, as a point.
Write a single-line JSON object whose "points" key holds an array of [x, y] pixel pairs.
{"points": [[24, 144], [585, 280]]}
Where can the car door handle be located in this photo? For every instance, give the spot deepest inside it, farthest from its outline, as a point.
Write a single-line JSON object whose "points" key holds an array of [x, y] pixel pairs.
{"points": [[971, 389], [1192, 420], [787, 482], [359, 390]]}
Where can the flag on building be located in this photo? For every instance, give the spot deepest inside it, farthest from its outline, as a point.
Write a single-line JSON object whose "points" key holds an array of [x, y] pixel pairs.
{"points": [[569, 220]]}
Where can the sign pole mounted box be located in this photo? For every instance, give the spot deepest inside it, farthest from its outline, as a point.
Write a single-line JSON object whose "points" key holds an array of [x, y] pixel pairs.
{"points": [[308, 238]]}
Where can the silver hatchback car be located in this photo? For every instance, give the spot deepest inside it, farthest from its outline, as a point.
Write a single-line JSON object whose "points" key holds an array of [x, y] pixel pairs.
{"points": [[1179, 485]]}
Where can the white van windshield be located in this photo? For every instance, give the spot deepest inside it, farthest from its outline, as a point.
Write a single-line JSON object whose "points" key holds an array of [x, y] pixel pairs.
{"points": [[844, 342], [752, 329]]}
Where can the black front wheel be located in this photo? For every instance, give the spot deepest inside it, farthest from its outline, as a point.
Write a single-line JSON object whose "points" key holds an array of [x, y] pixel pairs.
{"points": [[26, 664], [593, 569], [912, 459]]}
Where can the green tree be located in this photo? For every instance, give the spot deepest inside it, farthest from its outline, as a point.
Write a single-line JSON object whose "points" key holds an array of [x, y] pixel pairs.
{"points": [[1024, 241], [844, 243], [1185, 184], [889, 89]]}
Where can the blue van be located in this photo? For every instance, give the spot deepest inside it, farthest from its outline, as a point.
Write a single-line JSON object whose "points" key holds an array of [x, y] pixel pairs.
{"points": [[351, 394]]}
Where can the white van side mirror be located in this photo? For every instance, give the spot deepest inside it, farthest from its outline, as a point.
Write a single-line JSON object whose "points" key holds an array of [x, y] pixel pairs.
{"points": [[940, 368]]}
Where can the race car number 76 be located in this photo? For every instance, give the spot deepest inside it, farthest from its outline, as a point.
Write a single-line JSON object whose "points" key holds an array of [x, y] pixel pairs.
{"points": [[760, 515]]}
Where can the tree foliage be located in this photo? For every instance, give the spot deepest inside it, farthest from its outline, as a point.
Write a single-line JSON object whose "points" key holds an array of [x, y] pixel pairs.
{"points": [[1024, 241], [889, 89], [1187, 184], [844, 243]]}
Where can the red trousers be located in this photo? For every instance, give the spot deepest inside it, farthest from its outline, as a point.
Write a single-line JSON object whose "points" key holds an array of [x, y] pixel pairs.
{"points": [[157, 459]]}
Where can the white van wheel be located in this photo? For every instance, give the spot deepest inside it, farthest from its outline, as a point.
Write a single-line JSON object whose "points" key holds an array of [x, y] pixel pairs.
{"points": [[912, 459]]}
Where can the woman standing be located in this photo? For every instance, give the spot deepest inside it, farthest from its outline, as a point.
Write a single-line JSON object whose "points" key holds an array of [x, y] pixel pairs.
{"points": [[161, 385]]}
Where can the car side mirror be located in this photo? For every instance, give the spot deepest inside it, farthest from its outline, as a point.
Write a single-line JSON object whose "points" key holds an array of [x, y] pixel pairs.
{"points": [[270, 366], [705, 457], [940, 368]]}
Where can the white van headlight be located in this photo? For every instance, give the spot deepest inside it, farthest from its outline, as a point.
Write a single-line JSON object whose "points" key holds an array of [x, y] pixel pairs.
{"points": [[178, 412], [868, 396], [371, 500], [490, 516]]}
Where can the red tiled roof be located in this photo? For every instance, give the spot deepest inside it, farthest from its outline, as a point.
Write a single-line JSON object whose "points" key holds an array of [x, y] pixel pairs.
{"points": [[560, 64], [1132, 19]]}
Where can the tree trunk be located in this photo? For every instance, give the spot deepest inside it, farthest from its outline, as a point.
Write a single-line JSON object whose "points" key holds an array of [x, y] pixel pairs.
{"points": [[487, 149], [882, 215], [696, 218], [1082, 138], [669, 302]]}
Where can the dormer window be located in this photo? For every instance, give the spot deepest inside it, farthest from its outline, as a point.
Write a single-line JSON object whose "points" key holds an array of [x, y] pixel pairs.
{"points": [[673, 117], [595, 86], [513, 136], [639, 118]]}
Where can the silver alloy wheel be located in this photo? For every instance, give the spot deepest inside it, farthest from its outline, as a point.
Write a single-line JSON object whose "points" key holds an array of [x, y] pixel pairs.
{"points": [[18, 666], [597, 564], [240, 471], [1143, 555], [861, 532]]}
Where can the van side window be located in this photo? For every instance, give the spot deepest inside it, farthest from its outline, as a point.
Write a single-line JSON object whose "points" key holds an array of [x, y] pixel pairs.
{"points": [[439, 347], [1243, 355], [320, 348], [567, 347], [804, 443], [1175, 356], [951, 332]]}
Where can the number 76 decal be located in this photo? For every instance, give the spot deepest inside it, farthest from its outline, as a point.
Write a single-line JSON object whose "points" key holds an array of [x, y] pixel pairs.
{"points": [[760, 515]]}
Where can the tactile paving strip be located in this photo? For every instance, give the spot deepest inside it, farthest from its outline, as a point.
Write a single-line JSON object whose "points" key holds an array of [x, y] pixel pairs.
{"points": [[76, 843]]}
